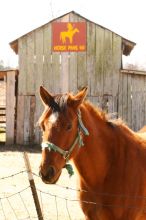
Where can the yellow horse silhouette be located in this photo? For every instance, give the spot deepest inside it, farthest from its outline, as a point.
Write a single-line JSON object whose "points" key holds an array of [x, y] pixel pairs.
{"points": [[68, 34]]}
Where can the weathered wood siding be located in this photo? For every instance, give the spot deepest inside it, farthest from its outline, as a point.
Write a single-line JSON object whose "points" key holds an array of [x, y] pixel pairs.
{"points": [[10, 107], [132, 98], [98, 68]]}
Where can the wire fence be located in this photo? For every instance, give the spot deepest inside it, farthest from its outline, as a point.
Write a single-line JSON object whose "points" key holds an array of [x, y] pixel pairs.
{"points": [[9, 208], [19, 204]]}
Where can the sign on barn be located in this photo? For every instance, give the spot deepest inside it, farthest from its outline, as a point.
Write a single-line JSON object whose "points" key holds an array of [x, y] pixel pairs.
{"points": [[69, 36]]}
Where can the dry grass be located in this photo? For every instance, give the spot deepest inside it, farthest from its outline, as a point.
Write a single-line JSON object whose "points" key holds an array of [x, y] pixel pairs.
{"points": [[54, 207]]}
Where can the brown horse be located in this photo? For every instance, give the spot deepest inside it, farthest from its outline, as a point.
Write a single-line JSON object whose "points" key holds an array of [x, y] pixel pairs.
{"points": [[111, 164]]}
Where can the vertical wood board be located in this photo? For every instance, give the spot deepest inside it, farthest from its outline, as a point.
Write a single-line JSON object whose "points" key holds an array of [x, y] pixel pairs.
{"points": [[10, 107], [30, 73], [22, 51], [91, 53], [64, 56], [97, 79]]}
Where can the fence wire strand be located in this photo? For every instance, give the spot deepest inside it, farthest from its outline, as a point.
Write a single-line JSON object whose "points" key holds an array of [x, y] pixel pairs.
{"points": [[12, 207], [56, 208], [3, 209], [98, 193], [68, 209], [24, 205], [56, 197], [12, 175]]}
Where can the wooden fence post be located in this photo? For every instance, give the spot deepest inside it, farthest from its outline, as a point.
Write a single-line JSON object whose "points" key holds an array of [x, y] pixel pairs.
{"points": [[32, 185]]}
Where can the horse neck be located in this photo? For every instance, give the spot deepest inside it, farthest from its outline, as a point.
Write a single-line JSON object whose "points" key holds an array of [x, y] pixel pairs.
{"points": [[92, 160]]}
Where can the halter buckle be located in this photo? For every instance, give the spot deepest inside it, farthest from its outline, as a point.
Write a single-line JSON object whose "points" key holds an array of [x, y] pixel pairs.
{"points": [[66, 155]]}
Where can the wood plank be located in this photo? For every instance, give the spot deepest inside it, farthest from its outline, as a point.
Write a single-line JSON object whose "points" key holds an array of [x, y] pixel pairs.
{"points": [[129, 101], [64, 64], [31, 119], [56, 72], [29, 102], [116, 63], [141, 113], [39, 59], [30, 73], [107, 63], [81, 65], [133, 72], [72, 78], [39, 69], [110, 105], [20, 120], [97, 78], [120, 97], [37, 114], [125, 98], [26, 120], [91, 53], [82, 70], [2, 114], [135, 105], [10, 107], [47, 71], [22, 51]]}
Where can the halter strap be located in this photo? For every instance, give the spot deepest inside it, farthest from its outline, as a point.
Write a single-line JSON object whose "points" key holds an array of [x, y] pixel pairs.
{"points": [[81, 125], [64, 153]]}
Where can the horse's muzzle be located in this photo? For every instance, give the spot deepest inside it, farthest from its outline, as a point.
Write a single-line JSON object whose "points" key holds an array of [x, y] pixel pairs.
{"points": [[51, 176]]}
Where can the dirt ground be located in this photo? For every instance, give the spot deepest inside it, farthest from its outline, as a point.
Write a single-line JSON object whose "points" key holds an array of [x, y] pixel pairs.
{"points": [[16, 200]]}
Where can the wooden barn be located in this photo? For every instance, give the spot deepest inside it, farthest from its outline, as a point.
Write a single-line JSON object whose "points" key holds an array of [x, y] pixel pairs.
{"points": [[64, 63]]}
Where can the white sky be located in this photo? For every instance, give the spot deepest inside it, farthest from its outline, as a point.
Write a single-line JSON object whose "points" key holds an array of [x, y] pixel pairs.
{"points": [[125, 17]]}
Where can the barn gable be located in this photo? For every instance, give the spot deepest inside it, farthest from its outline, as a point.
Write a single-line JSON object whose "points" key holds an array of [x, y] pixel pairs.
{"points": [[127, 44]]}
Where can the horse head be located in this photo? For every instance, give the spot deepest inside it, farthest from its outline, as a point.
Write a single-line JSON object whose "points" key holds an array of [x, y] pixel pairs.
{"points": [[61, 134]]}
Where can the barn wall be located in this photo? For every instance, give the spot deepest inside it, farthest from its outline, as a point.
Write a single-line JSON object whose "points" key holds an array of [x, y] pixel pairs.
{"points": [[98, 68], [132, 98]]}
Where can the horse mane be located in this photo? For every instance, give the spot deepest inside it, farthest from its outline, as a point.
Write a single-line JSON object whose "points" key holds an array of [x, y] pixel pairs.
{"points": [[106, 118], [60, 105], [96, 111]]}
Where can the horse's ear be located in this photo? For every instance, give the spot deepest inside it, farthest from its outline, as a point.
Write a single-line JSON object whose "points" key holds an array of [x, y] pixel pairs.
{"points": [[77, 99], [46, 97]]}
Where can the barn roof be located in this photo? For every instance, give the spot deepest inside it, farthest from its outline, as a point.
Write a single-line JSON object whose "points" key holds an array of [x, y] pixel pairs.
{"points": [[127, 44]]}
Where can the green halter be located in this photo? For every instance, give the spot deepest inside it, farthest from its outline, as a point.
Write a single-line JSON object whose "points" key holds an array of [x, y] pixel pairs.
{"points": [[66, 154]]}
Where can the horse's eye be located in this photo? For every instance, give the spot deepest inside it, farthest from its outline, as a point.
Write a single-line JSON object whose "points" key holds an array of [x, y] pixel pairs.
{"points": [[69, 126]]}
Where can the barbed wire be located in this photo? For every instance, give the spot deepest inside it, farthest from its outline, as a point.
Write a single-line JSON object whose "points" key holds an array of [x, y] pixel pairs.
{"points": [[12, 175], [92, 202], [79, 190], [97, 193], [66, 199]]}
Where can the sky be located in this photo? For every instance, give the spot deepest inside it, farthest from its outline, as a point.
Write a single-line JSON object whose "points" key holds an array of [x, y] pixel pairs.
{"points": [[125, 17]]}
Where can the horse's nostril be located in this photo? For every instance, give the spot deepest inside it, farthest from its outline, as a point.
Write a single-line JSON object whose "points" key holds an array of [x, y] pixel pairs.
{"points": [[51, 172]]}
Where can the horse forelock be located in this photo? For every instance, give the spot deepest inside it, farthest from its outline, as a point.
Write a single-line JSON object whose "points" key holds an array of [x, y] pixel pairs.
{"points": [[61, 102]]}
